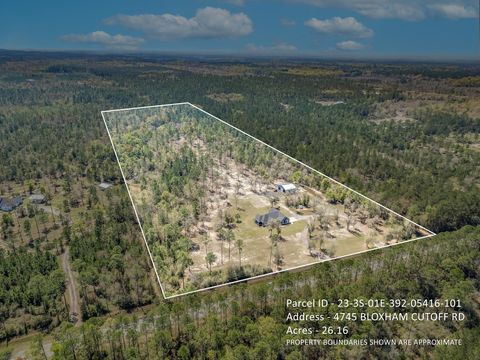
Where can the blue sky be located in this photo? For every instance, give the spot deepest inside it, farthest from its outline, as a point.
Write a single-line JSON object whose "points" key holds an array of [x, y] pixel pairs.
{"points": [[363, 28]]}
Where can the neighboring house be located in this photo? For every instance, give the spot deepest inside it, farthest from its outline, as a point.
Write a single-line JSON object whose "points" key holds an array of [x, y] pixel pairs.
{"points": [[105, 185], [286, 188], [272, 215], [10, 204], [37, 198]]}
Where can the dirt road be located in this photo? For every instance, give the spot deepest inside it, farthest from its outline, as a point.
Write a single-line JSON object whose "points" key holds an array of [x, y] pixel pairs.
{"points": [[71, 288]]}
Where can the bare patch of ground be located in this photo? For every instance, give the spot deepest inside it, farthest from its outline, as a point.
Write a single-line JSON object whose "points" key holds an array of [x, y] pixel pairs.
{"points": [[223, 97], [329, 102]]}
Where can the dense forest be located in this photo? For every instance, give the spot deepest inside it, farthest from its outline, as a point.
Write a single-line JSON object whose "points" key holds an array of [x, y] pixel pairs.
{"points": [[406, 135]]}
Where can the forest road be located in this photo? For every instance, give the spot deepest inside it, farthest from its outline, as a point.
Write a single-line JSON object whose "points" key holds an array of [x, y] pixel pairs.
{"points": [[71, 288]]}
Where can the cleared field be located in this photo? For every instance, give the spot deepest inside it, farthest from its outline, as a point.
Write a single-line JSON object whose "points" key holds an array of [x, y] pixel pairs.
{"points": [[256, 241]]}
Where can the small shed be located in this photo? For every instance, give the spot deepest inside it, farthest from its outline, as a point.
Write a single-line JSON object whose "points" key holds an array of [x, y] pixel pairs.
{"points": [[272, 215], [286, 188], [37, 198], [105, 185], [8, 205]]}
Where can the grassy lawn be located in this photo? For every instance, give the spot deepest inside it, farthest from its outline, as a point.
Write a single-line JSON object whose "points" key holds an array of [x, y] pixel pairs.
{"points": [[294, 228], [346, 246], [247, 229]]}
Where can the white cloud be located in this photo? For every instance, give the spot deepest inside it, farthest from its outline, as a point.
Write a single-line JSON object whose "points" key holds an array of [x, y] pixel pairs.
{"points": [[349, 45], [110, 41], [410, 10], [280, 47], [348, 26], [454, 11], [208, 23]]}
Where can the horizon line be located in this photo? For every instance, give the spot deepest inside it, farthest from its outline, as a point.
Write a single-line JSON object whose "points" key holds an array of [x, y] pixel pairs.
{"points": [[429, 58]]}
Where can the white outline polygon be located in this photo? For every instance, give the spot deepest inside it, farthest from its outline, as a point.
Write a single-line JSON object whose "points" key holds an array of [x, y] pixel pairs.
{"points": [[278, 151]]}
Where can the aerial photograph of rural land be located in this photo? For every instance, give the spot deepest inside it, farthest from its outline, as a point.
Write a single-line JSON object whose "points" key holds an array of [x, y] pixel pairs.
{"points": [[240, 180]]}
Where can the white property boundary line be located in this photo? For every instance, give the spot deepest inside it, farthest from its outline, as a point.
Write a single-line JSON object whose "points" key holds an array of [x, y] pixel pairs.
{"points": [[431, 233]]}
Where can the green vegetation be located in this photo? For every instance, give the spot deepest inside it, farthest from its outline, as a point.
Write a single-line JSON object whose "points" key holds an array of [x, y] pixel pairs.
{"points": [[421, 159], [248, 322], [30, 280]]}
